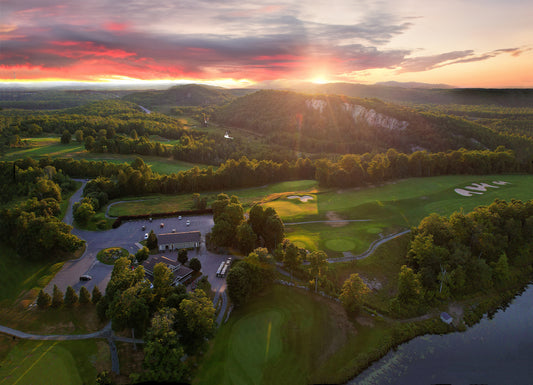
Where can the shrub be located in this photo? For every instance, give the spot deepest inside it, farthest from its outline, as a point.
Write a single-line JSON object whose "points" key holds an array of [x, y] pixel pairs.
{"points": [[195, 264]]}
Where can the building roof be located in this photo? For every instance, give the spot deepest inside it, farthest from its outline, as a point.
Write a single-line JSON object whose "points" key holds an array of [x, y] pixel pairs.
{"points": [[168, 238], [178, 270], [150, 263]]}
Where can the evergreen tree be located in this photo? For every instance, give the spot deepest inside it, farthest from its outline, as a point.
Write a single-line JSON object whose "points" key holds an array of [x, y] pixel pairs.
{"points": [[151, 242], [43, 300], [96, 295], [85, 296], [57, 297], [71, 298]]}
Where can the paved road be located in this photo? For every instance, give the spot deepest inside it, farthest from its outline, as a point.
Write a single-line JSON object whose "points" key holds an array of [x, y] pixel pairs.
{"points": [[328, 221]]}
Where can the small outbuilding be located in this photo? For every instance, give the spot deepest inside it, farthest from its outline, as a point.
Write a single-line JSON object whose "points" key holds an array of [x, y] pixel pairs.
{"points": [[446, 318], [176, 241]]}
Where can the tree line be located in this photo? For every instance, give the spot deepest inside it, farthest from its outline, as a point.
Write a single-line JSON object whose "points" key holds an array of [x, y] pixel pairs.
{"points": [[32, 226], [450, 257]]}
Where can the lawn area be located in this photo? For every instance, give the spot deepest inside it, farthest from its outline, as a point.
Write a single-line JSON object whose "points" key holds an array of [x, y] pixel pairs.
{"points": [[51, 146], [165, 203], [389, 208], [280, 338], [65, 362], [18, 276]]}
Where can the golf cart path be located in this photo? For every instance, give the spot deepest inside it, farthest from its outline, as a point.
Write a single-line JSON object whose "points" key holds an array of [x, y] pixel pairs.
{"points": [[326, 221], [373, 246]]}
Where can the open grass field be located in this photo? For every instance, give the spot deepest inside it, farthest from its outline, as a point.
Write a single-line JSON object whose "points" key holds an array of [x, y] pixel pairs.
{"points": [[165, 203], [53, 362], [388, 208], [279, 338], [51, 146]]}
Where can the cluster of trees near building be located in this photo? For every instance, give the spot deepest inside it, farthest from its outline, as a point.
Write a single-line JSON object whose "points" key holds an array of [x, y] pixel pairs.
{"points": [[463, 254], [32, 226], [175, 324], [263, 227]]}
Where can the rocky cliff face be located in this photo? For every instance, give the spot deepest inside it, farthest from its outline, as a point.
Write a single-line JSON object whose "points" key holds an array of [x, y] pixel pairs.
{"points": [[362, 114], [373, 118]]}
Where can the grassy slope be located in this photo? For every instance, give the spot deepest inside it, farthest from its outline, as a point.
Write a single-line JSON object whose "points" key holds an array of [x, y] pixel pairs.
{"points": [[301, 330], [18, 275], [63, 362]]}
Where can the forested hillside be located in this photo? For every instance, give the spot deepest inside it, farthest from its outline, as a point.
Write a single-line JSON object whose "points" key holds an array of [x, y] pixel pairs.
{"points": [[339, 124]]}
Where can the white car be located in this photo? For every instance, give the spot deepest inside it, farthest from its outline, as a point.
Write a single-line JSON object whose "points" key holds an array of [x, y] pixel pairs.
{"points": [[145, 235], [188, 222], [179, 217]]}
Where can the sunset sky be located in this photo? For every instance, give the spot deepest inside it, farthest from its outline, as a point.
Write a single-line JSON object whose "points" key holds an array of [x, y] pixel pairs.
{"points": [[474, 43]]}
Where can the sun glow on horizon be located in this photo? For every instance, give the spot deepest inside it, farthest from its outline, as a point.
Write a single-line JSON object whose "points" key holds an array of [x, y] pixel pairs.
{"points": [[320, 80]]}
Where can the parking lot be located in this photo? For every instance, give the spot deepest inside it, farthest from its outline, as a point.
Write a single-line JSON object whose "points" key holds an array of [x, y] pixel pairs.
{"points": [[126, 236]]}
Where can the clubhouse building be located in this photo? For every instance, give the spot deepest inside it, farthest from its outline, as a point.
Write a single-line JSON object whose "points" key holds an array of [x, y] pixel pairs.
{"points": [[176, 241]]}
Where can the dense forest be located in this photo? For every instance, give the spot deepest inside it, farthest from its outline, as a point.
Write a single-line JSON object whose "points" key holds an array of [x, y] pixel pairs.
{"points": [[468, 253], [341, 125]]}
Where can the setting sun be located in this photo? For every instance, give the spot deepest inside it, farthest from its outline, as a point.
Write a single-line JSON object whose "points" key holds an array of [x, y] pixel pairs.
{"points": [[319, 80]]}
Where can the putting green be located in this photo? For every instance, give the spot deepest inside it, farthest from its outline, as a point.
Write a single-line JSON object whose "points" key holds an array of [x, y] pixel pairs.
{"points": [[340, 244]]}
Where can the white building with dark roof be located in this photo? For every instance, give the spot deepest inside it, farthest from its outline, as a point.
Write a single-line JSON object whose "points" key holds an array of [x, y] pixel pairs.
{"points": [[175, 241]]}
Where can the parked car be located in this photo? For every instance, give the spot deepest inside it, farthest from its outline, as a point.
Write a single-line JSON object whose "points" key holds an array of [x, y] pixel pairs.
{"points": [[173, 230], [85, 277], [145, 235]]}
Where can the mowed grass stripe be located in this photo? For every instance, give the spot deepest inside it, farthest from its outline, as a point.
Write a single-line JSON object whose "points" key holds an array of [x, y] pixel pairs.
{"points": [[32, 361], [301, 330]]}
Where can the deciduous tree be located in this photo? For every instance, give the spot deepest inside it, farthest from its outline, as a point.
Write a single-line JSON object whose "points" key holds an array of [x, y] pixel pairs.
{"points": [[353, 293]]}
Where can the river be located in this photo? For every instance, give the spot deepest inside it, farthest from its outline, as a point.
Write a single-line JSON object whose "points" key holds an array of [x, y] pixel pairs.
{"points": [[495, 351]]}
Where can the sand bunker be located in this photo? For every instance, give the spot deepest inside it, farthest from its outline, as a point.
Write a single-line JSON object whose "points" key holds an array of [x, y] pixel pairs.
{"points": [[478, 188], [303, 199]]}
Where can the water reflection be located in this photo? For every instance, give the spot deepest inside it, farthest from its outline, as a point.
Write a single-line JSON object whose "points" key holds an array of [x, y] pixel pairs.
{"points": [[495, 351]]}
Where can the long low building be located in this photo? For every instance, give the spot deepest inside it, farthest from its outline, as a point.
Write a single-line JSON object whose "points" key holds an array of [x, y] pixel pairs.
{"points": [[175, 241], [180, 272]]}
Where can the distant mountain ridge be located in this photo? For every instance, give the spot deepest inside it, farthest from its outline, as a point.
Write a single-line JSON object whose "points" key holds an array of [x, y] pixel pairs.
{"points": [[400, 93], [184, 95]]}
